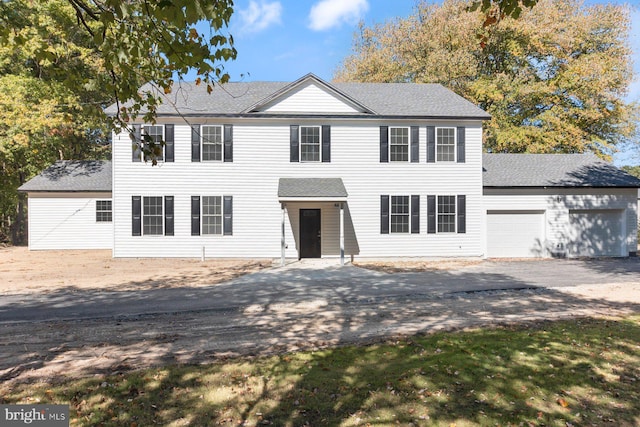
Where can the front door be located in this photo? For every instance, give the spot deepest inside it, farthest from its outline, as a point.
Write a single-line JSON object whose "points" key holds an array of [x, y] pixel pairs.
{"points": [[310, 246]]}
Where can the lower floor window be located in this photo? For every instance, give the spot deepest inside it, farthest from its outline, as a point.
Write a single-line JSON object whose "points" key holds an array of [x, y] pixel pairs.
{"points": [[211, 215], [103, 211], [399, 214], [446, 214], [152, 215]]}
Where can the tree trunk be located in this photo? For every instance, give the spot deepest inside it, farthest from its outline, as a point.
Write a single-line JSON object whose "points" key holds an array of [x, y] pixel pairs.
{"points": [[18, 228]]}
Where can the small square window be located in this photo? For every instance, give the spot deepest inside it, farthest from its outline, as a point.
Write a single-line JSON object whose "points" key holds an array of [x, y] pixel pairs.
{"points": [[103, 211]]}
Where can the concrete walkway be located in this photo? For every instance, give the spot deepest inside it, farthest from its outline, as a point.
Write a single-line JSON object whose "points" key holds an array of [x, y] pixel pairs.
{"points": [[311, 281]]}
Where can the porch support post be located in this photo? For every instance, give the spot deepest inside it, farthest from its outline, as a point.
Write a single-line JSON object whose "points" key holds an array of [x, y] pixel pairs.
{"points": [[341, 233], [283, 244]]}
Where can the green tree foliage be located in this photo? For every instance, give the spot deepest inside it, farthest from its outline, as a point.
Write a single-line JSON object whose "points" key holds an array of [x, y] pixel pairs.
{"points": [[633, 170], [553, 80], [63, 61]]}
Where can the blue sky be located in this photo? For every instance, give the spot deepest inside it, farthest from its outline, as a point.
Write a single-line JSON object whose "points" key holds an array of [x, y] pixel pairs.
{"points": [[282, 40]]}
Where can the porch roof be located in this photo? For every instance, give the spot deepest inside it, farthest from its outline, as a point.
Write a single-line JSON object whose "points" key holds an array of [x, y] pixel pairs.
{"points": [[312, 189]]}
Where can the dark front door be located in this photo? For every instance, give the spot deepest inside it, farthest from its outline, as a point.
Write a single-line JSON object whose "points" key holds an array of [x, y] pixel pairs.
{"points": [[310, 233]]}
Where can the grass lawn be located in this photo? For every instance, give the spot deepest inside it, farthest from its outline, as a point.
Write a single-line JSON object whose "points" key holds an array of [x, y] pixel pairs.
{"points": [[580, 372]]}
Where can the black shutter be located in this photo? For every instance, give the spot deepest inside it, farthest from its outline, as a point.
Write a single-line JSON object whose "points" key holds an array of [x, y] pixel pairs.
{"points": [[195, 215], [294, 149], [228, 143], [135, 146], [168, 215], [169, 143], [461, 144], [136, 216], [326, 144], [384, 144], [415, 214], [227, 216], [195, 143], [384, 214], [462, 214], [431, 214], [431, 144], [415, 144]]}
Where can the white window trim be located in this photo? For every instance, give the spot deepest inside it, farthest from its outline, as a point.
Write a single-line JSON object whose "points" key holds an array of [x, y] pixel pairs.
{"points": [[319, 144], [455, 144], [142, 217], [143, 132], [391, 214], [202, 233], [221, 144], [104, 211], [455, 213], [408, 128]]}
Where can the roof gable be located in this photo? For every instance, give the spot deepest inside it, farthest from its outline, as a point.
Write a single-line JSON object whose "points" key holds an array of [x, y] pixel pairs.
{"points": [[309, 94]]}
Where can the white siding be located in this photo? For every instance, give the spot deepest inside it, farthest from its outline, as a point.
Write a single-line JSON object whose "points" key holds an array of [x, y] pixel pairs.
{"points": [[310, 98], [261, 157], [557, 204], [67, 221]]}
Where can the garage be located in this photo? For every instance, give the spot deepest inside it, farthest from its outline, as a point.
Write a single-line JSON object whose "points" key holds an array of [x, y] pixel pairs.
{"points": [[596, 233], [515, 234]]}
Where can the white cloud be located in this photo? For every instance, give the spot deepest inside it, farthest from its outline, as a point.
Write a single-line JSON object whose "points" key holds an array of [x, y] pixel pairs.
{"points": [[259, 16], [327, 14]]}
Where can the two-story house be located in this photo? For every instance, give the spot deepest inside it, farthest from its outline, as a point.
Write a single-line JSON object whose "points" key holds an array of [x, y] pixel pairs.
{"points": [[313, 169]]}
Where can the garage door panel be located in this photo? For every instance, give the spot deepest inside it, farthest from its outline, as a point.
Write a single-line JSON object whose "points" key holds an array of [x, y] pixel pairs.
{"points": [[595, 233], [515, 234]]}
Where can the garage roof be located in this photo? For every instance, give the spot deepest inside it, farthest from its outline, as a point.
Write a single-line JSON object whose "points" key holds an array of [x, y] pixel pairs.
{"points": [[553, 170], [70, 176]]}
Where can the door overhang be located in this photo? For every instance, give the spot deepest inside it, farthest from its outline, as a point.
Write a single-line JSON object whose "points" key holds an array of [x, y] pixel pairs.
{"points": [[311, 190]]}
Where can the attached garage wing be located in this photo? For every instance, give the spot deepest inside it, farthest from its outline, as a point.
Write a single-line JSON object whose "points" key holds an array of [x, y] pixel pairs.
{"points": [[596, 233], [515, 234]]}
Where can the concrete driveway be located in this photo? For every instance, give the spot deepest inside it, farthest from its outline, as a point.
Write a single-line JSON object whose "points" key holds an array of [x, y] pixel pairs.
{"points": [[318, 280]]}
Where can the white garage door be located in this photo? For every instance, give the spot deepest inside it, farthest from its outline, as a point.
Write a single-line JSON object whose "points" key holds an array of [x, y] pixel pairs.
{"points": [[515, 234], [595, 233]]}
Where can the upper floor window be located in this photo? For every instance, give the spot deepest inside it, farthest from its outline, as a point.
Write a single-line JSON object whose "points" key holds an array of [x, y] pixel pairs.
{"points": [[211, 143], [103, 211], [309, 143], [154, 133], [399, 144], [446, 144]]}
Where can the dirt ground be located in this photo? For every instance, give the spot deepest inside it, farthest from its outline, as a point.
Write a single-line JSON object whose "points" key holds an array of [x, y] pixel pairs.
{"points": [[52, 350], [24, 271]]}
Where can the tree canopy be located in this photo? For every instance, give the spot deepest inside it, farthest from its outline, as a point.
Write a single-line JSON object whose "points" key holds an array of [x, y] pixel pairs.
{"points": [[553, 80], [63, 61]]}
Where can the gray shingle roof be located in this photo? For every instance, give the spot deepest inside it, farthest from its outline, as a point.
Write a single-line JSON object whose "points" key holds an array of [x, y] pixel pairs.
{"points": [[552, 170], [386, 99], [311, 187], [72, 176]]}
